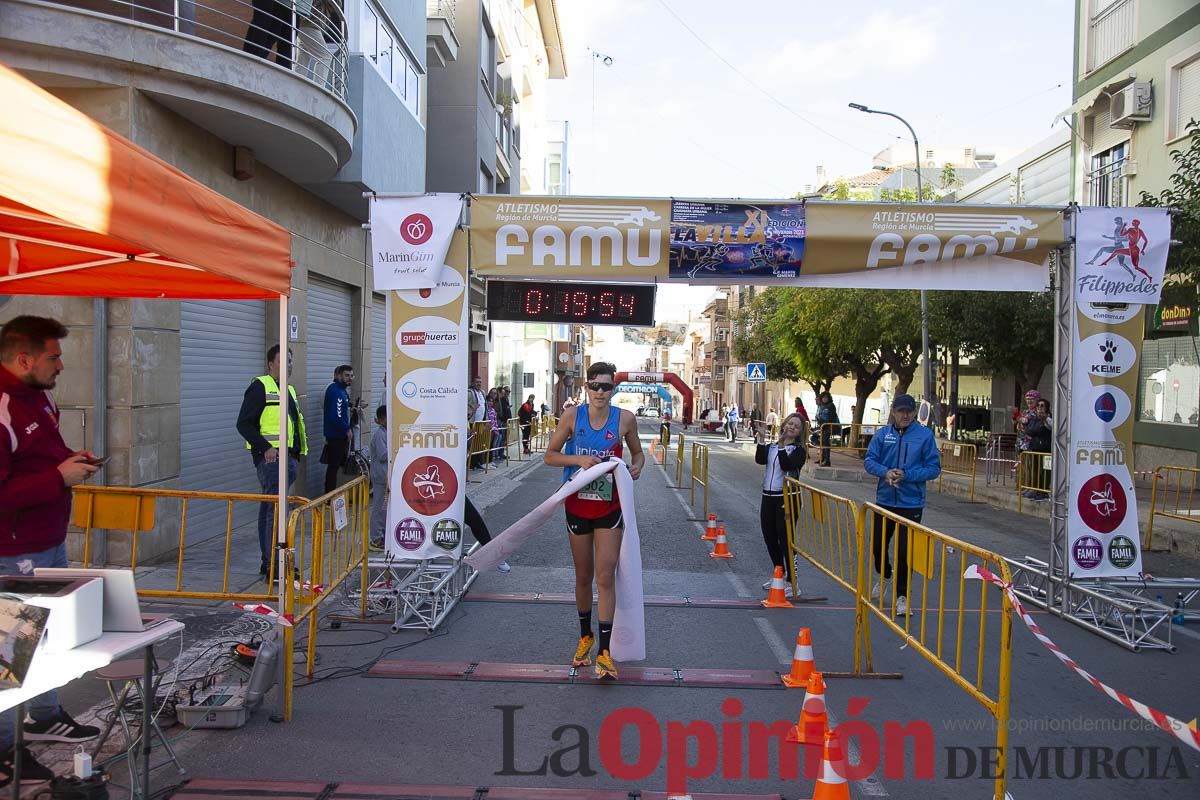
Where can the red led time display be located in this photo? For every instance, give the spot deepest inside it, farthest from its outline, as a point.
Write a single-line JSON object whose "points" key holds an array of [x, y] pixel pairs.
{"points": [[584, 303]]}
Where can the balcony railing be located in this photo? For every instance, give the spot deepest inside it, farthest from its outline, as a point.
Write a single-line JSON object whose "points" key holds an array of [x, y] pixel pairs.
{"points": [[444, 9], [1106, 184], [308, 38], [1111, 31]]}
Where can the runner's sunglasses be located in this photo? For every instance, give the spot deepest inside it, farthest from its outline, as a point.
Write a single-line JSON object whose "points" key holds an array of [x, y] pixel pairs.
{"points": [[597, 386]]}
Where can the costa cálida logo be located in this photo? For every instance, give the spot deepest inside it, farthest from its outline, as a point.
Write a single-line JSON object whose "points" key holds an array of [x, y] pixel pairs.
{"points": [[416, 228], [1102, 503], [429, 485]]}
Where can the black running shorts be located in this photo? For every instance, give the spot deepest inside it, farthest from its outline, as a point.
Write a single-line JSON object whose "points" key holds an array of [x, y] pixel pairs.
{"points": [[581, 526]]}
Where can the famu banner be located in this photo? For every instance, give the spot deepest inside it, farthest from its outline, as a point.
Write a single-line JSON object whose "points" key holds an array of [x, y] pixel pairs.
{"points": [[409, 238], [427, 414], [906, 246], [1121, 254], [570, 237], [1102, 517]]}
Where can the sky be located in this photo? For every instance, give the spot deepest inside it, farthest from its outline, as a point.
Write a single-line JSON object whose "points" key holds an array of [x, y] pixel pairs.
{"points": [[744, 98]]}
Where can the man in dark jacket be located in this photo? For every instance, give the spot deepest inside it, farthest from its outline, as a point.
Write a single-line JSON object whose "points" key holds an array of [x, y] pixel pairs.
{"points": [[37, 471], [525, 417], [337, 424], [258, 423], [903, 456], [503, 414]]}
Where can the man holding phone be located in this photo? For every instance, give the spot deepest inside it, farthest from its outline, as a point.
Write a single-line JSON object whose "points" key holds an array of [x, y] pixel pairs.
{"points": [[37, 471]]}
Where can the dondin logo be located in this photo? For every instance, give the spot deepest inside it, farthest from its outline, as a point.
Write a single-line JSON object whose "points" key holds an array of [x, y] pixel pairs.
{"points": [[416, 229], [1101, 503], [410, 533], [1106, 407], [429, 485]]}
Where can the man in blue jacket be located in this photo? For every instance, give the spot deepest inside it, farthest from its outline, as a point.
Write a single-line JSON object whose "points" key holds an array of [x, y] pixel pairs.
{"points": [[337, 424], [903, 455]]}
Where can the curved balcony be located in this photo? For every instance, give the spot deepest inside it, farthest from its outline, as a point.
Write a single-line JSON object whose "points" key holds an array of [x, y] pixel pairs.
{"points": [[262, 74]]}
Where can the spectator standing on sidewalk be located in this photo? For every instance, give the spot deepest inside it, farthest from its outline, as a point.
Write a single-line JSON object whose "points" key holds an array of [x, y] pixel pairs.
{"points": [[258, 424], [731, 423], [37, 471], [336, 406], [903, 456], [1040, 429], [503, 415], [525, 418], [379, 456], [826, 415]]}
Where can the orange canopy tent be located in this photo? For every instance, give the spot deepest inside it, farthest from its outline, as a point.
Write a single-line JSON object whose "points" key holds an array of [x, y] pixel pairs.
{"points": [[86, 212]]}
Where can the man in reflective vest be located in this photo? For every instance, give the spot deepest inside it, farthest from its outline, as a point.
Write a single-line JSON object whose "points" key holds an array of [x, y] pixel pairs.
{"points": [[258, 423]]}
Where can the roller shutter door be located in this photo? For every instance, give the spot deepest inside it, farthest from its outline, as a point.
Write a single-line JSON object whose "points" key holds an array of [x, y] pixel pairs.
{"points": [[329, 344], [222, 349], [379, 354]]}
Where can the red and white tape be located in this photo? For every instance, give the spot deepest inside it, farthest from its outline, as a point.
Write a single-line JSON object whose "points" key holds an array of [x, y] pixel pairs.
{"points": [[266, 611], [308, 587], [1168, 723]]}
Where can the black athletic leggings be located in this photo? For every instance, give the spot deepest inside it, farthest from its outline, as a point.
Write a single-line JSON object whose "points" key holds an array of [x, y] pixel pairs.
{"points": [[774, 529], [475, 522], [881, 544]]}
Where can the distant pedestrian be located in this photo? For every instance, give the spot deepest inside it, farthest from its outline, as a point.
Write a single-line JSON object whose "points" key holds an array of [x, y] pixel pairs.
{"points": [[336, 406], [1040, 429], [731, 423], [783, 459], [258, 424], [525, 419], [903, 456], [772, 423], [379, 478], [503, 415], [827, 419], [493, 421]]}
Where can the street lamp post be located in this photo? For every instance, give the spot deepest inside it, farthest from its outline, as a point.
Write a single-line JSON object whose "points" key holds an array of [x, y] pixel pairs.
{"points": [[925, 358]]}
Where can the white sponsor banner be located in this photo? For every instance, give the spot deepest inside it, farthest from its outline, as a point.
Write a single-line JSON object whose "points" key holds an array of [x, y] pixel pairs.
{"points": [[1102, 515], [427, 411], [1121, 254], [410, 237]]}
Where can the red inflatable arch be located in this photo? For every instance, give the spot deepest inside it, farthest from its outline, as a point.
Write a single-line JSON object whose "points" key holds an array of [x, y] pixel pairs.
{"points": [[662, 377]]}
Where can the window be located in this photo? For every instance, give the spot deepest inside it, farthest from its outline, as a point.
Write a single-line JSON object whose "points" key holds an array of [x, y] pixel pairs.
{"points": [[384, 47], [1169, 381], [1183, 92], [527, 380], [485, 180], [1112, 29], [1106, 179], [722, 334], [487, 58]]}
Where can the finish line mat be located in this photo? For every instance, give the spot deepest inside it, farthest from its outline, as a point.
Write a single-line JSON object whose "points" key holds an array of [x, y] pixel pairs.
{"points": [[217, 789], [563, 673]]}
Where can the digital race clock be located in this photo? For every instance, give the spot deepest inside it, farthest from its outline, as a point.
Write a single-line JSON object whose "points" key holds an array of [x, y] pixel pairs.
{"points": [[583, 303]]}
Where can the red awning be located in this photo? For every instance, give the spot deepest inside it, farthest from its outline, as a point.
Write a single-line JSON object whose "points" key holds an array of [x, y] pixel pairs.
{"points": [[85, 212]]}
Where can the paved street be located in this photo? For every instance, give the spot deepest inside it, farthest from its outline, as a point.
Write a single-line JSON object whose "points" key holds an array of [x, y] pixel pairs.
{"points": [[350, 727]]}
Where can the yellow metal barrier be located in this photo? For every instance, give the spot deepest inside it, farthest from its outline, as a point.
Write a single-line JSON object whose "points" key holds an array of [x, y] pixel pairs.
{"points": [[700, 473], [1033, 477], [119, 508], [512, 438], [853, 543], [543, 428], [1173, 496], [327, 543], [664, 435], [679, 460], [847, 437], [822, 527], [958, 458], [913, 550]]}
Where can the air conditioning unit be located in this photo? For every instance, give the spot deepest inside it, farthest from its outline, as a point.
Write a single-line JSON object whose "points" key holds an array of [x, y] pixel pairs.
{"points": [[1131, 105]]}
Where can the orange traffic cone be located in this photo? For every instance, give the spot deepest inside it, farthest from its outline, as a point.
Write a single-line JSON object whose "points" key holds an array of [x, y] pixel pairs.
{"points": [[802, 662], [710, 533], [814, 722], [777, 597], [832, 783], [722, 550]]}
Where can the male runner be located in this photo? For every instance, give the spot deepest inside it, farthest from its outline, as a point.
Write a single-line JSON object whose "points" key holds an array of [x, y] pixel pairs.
{"points": [[585, 436], [1136, 237]]}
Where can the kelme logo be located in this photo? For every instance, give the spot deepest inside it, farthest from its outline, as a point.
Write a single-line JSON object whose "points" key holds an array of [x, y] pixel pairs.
{"points": [[447, 534]]}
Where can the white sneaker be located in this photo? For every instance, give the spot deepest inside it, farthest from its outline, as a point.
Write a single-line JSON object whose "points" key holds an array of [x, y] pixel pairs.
{"points": [[787, 591], [875, 591], [901, 606], [503, 566]]}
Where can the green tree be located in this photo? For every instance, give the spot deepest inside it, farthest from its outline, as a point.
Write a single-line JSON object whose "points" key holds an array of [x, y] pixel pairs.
{"points": [[1184, 196], [753, 341], [811, 350]]}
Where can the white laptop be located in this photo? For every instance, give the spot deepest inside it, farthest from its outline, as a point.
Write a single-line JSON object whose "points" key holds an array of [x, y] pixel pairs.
{"points": [[122, 611]]}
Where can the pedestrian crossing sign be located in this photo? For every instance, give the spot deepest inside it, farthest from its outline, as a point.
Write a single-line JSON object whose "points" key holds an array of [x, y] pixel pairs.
{"points": [[756, 372]]}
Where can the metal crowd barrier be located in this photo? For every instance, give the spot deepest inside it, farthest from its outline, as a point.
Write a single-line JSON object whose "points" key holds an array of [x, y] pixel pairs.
{"points": [[958, 458], [941, 610], [512, 438], [999, 458], [327, 544], [1033, 476], [1173, 496], [847, 437], [700, 473], [664, 435], [679, 460], [849, 543], [120, 508]]}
